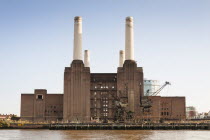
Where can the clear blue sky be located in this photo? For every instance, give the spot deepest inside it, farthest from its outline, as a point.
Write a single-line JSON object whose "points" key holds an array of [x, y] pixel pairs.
{"points": [[172, 43]]}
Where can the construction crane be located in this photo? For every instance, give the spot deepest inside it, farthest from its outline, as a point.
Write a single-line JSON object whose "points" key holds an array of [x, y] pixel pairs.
{"points": [[159, 90], [122, 113], [146, 102]]}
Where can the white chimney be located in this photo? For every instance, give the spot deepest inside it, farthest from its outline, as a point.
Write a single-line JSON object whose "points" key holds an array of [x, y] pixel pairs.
{"points": [[87, 58], [77, 38], [122, 58], [129, 48]]}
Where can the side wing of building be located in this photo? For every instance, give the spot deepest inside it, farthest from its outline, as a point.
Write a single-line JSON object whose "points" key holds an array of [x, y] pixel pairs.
{"points": [[41, 106], [165, 108]]}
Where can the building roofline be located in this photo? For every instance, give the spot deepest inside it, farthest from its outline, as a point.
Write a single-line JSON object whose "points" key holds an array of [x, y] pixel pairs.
{"points": [[103, 73], [47, 93]]}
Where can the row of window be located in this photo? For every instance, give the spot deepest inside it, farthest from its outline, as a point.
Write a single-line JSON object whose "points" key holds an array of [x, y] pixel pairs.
{"points": [[104, 87], [104, 105], [100, 79], [104, 100], [164, 113], [164, 108], [53, 111], [102, 114], [103, 93], [105, 109]]}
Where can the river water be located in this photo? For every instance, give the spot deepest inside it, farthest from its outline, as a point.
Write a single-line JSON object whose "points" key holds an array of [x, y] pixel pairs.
{"points": [[32, 134]]}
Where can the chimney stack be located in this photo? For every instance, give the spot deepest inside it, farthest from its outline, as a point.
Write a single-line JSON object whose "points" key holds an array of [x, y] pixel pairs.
{"points": [[77, 38], [122, 58], [87, 58], [129, 48]]}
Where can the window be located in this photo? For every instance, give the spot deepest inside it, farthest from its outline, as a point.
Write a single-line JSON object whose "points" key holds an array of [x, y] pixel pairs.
{"points": [[40, 97]]}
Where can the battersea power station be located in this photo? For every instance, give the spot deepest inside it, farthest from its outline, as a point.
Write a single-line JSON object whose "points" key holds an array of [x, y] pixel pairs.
{"points": [[101, 97]]}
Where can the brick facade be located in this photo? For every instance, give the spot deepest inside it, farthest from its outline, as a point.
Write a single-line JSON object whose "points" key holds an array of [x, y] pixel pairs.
{"points": [[89, 96], [40, 106], [165, 108]]}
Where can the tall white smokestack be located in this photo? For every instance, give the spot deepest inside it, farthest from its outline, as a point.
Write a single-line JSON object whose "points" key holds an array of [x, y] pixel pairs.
{"points": [[77, 38], [87, 58], [122, 58], [129, 49]]}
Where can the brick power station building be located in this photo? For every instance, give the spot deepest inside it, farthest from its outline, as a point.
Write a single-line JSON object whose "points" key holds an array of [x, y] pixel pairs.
{"points": [[101, 96]]}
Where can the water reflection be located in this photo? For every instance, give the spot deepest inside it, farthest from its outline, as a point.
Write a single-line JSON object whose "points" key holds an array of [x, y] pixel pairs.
{"points": [[108, 134], [32, 134]]}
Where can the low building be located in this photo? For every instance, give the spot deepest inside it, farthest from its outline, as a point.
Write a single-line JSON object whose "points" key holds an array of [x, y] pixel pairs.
{"points": [[191, 112], [6, 116], [41, 106], [209, 114], [202, 115], [165, 108]]}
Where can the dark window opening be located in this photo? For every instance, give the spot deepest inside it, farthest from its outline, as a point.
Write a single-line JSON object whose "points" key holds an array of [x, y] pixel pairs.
{"points": [[39, 96]]}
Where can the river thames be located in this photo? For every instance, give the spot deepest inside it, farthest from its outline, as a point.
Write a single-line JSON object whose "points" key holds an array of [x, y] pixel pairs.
{"points": [[32, 134]]}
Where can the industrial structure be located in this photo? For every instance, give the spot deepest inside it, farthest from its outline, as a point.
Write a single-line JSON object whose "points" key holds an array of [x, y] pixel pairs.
{"points": [[191, 112], [150, 86], [101, 97]]}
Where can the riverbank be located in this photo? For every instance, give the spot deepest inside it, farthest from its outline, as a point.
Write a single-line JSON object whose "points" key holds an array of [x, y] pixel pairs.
{"points": [[159, 126], [112, 126], [25, 126]]}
